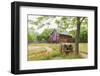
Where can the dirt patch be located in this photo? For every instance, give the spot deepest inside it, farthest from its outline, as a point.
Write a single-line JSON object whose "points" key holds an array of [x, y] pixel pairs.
{"points": [[40, 47]]}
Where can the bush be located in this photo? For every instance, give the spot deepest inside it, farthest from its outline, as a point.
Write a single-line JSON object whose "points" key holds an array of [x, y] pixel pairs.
{"points": [[32, 37]]}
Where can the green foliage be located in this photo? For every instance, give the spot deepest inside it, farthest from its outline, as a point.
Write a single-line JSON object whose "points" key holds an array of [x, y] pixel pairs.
{"points": [[32, 37], [73, 33], [83, 34], [40, 20], [62, 23], [85, 21], [44, 35], [57, 22]]}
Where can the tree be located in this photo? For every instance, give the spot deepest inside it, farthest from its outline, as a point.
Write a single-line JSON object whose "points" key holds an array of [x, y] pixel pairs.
{"points": [[62, 23], [44, 35], [79, 21]]}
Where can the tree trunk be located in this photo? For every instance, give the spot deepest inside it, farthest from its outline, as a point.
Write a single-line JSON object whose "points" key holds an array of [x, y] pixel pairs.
{"points": [[77, 36]]}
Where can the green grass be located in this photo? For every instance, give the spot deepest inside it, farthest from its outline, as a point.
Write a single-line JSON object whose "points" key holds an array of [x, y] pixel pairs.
{"points": [[42, 54]]}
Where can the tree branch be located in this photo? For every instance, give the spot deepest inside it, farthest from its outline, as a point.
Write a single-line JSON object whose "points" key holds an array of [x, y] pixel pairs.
{"points": [[82, 20]]}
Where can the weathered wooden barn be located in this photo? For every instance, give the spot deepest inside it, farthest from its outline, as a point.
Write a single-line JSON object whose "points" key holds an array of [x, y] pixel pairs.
{"points": [[63, 37]]}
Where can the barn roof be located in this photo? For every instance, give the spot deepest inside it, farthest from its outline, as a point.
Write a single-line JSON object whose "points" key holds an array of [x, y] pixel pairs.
{"points": [[64, 33], [61, 33]]}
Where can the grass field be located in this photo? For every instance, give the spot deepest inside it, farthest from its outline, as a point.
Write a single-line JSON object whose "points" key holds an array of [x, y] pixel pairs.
{"points": [[45, 51]]}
